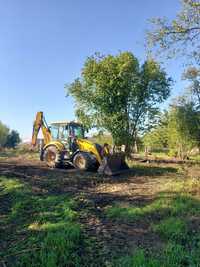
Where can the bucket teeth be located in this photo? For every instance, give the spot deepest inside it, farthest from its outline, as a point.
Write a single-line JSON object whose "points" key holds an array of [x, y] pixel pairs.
{"points": [[113, 164]]}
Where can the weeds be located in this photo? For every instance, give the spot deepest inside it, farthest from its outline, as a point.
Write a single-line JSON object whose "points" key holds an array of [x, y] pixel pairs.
{"points": [[44, 227], [171, 229], [137, 260], [168, 217], [132, 213]]}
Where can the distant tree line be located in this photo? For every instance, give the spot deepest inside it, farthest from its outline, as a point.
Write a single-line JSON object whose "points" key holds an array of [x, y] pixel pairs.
{"points": [[8, 138], [179, 127], [178, 130]]}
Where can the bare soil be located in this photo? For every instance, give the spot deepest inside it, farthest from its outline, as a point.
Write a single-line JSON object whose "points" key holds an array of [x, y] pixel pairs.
{"points": [[95, 193]]}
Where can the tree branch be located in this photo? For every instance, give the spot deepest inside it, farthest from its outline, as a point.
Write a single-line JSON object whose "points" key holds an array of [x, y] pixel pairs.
{"points": [[182, 31]]}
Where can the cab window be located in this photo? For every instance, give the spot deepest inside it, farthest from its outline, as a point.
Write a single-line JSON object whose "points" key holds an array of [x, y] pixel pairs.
{"points": [[59, 132], [54, 132], [63, 133], [77, 131]]}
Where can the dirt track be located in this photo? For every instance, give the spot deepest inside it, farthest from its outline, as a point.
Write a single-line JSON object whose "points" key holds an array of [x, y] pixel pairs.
{"points": [[94, 194]]}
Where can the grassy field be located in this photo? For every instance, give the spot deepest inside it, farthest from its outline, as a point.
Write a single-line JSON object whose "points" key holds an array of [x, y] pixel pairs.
{"points": [[147, 218]]}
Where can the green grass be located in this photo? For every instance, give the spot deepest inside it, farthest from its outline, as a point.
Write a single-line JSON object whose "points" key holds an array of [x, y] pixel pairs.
{"points": [[173, 255], [137, 260], [171, 228], [19, 152], [196, 157], [160, 155], [41, 230], [132, 213], [182, 248], [169, 218], [165, 205]]}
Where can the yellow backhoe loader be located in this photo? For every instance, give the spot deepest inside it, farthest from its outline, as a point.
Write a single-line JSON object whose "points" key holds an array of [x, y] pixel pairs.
{"points": [[65, 144]]}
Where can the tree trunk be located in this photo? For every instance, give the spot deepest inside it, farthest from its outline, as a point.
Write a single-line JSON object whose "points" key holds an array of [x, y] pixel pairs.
{"points": [[135, 147]]}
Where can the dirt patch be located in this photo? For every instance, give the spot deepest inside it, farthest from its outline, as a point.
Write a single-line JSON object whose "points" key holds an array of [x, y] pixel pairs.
{"points": [[94, 193]]}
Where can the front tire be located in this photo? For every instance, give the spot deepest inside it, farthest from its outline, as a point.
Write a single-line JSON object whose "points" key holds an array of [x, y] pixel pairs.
{"points": [[84, 161], [53, 157]]}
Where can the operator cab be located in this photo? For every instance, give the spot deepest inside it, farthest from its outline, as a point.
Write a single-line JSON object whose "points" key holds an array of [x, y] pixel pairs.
{"points": [[64, 131]]}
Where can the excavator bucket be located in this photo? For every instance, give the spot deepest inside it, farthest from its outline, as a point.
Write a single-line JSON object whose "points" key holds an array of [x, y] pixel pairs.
{"points": [[113, 164]]}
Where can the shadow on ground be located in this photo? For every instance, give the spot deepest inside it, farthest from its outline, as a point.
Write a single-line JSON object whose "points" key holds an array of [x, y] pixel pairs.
{"points": [[116, 213]]}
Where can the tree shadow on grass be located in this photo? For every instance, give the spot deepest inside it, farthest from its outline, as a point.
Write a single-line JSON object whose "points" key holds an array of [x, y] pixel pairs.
{"points": [[43, 200], [33, 169], [39, 229], [123, 227], [146, 170]]}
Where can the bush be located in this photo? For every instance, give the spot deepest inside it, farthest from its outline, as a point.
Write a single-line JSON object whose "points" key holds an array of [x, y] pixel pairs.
{"points": [[13, 139], [9, 139]]}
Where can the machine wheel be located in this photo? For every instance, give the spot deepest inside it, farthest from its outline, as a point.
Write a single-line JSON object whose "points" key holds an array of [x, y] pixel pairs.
{"points": [[84, 161], [52, 156]]}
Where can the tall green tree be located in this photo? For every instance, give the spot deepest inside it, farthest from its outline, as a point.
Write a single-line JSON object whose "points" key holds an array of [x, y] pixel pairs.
{"points": [[119, 95], [13, 139], [180, 36]]}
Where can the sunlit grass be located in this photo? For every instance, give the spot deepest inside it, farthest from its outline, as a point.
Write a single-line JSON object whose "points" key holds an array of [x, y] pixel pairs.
{"points": [[176, 205], [168, 215], [132, 213], [20, 151], [174, 199], [42, 227], [139, 259], [171, 228], [51, 234], [9, 185]]}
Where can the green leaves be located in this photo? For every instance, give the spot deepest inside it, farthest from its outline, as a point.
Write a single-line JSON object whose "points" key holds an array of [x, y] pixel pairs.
{"points": [[180, 36], [3, 134], [13, 139], [117, 94], [8, 138], [178, 129], [184, 127]]}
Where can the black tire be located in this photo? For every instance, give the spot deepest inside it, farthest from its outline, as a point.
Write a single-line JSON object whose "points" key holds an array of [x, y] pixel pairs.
{"points": [[99, 148], [84, 161], [53, 157]]}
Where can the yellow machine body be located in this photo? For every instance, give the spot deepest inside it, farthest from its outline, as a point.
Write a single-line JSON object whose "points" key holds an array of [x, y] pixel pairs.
{"points": [[57, 144], [72, 149], [87, 146]]}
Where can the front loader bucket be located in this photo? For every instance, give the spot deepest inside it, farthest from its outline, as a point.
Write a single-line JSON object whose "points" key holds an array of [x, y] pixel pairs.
{"points": [[113, 164]]}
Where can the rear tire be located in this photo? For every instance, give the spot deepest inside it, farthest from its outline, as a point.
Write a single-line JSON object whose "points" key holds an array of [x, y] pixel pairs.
{"points": [[53, 157], [84, 161]]}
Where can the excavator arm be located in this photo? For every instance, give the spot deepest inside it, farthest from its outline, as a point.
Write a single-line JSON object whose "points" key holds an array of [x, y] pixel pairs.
{"points": [[40, 123]]}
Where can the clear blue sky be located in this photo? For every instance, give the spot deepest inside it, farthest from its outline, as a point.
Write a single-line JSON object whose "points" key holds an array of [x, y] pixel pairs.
{"points": [[44, 43]]}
